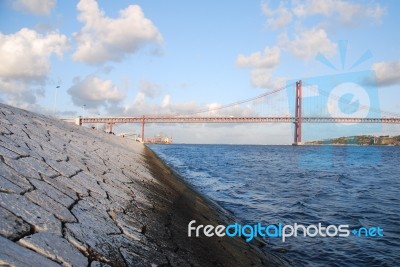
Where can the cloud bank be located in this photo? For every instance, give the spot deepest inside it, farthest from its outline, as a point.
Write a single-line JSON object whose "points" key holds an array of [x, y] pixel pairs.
{"points": [[387, 73], [104, 39], [25, 57], [35, 7], [94, 92]]}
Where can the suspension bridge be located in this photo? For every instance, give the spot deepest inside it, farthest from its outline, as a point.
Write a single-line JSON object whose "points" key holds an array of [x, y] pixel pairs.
{"points": [[250, 114]]}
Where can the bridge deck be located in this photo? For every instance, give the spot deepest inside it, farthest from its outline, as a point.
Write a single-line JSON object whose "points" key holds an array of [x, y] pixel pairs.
{"points": [[165, 119]]}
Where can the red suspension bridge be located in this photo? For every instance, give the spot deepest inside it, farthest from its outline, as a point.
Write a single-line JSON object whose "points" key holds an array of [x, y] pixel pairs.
{"points": [[298, 119]]}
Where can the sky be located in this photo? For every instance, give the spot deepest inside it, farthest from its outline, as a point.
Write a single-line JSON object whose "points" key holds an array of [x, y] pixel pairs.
{"points": [[131, 58]]}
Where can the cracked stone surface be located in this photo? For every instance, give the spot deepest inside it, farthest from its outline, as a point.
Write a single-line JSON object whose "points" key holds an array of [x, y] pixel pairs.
{"points": [[99, 264], [56, 192], [63, 167], [73, 196], [58, 210], [55, 248], [9, 187], [21, 206], [11, 226], [12, 254], [88, 183], [9, 174]]}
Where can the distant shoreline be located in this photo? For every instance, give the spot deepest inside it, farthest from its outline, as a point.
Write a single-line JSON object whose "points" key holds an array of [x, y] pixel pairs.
{"points": [[361, 140]]}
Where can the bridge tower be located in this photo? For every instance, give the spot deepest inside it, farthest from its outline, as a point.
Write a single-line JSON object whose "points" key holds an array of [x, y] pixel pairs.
{"points": [[298, 115]]}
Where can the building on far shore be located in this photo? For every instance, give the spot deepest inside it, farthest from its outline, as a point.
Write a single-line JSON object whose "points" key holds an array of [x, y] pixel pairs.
{"points": [[159, 139]]}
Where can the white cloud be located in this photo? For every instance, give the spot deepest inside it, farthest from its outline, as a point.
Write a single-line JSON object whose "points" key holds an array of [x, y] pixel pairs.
{"points": [[166, 101], [263, 78], [309, 42], [262, 66], [277, 18], [213, 106], [25, 63], [36, 7], [94, 92], [139, 99], [105, 39], [234, 110], [12, 87], [26, 54], [336, 11], [260, 78], [141, 106], [149, 89], [268, 59], [387, 73], [327, 14], [181, 108], [346, 12]]}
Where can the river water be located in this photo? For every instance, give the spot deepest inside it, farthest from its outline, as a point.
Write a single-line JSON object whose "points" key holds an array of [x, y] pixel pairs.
{"points": [[332, 185]]}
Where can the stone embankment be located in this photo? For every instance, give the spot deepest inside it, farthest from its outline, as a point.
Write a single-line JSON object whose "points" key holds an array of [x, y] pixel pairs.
{"points": [[74, 196]]}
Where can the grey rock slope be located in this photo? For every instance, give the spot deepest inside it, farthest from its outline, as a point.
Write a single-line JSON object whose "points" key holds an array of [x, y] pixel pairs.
{"points": [[73, 196]]}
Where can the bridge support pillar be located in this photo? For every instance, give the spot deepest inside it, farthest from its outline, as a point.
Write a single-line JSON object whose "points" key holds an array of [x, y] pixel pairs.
{"points": [[143, 129], [298, 115], [110, 127]]}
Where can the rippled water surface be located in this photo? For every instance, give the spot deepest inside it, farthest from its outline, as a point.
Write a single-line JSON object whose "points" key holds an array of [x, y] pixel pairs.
{"points": [[358, 186]]}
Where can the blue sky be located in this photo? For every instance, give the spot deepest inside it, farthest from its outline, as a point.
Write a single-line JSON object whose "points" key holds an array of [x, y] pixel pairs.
{"points": [[128, 58]]}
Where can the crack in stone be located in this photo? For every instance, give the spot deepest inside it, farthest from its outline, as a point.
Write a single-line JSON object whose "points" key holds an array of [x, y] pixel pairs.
{"points": [[27, 146], [94, 256], [80, 170], [32, 228], [122, 256], [31, 232], [26, 133], [112, 215]]}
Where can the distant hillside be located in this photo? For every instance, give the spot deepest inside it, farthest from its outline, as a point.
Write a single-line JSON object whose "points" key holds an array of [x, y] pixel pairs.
{"points": [[362, 140]]}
